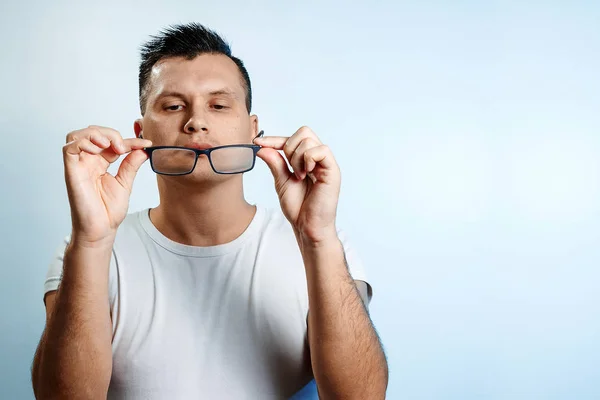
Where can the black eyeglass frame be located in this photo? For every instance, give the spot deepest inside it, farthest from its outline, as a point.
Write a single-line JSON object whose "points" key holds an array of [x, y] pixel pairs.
{"points": [[255, 148]]}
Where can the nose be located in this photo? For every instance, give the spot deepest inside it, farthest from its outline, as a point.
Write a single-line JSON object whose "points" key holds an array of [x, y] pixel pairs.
{"points": [[196, 123]]}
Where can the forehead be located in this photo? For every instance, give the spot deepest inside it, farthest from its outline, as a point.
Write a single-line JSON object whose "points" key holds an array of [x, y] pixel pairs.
{"points": [[203, 74]]}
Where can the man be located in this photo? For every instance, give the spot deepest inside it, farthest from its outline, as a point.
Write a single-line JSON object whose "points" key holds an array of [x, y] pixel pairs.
{"points": [[204, 296]]}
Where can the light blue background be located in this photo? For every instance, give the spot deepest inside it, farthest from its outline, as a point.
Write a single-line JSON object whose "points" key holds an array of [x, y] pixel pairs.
{"points": [[468, 137]]}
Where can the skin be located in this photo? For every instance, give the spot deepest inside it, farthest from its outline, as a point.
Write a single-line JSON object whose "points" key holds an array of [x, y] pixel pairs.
{"points": [[202, 101]]}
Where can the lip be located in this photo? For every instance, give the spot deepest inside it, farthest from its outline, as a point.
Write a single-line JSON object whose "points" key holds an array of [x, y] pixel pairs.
{"points": [[199, 146]]}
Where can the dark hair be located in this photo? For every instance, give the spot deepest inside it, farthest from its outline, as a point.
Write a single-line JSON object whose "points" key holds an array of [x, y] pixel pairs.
{"points": [[189, 41]]}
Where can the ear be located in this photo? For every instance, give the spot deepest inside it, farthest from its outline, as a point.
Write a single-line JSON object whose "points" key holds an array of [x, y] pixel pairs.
{"points": [[253, 127], [137, 127]]}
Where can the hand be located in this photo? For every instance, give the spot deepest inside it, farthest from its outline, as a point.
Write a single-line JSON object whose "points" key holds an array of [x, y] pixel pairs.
{"points": [[99, 201], [309, 195]]}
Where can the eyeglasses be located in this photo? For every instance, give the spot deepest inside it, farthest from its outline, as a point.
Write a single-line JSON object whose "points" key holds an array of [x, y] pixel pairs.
{"points": [[229, 159]]}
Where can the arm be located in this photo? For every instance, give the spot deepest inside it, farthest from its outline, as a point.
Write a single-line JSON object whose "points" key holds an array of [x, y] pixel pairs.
{"points": [[347, 357], [74, 356]]}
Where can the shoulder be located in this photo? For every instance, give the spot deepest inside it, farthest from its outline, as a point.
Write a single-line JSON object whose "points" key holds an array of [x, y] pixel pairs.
{"points": [[274, 221], [273, 218], [133, 224], [273, 224], [134, 219]]}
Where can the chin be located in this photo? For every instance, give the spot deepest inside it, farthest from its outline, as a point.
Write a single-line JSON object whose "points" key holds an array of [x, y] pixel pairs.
{"points": [[203, 176]]}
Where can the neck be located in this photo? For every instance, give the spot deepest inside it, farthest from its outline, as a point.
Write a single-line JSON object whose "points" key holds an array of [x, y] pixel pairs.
{"points": [[202, 215]]}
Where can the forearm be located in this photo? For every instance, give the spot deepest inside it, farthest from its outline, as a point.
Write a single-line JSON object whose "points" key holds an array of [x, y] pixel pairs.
{"points": [[74, 358], [347, 358]]}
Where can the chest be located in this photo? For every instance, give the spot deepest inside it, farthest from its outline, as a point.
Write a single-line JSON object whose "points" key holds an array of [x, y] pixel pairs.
{"points": [[196, 324]]}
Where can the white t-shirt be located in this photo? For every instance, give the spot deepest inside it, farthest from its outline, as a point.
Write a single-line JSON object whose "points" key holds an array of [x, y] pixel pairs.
{"points": [[219, 322]]}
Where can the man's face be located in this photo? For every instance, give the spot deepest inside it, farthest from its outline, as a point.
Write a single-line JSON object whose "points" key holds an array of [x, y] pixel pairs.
{"points": [[197, 103]]}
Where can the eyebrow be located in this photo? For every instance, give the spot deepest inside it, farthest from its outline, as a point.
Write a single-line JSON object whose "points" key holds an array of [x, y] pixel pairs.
{"points": [[169, 94], [219, 92], [224, 92]]}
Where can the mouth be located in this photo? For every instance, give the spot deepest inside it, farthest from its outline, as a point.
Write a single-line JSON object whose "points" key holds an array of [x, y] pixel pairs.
{"points": [[199, 146]]}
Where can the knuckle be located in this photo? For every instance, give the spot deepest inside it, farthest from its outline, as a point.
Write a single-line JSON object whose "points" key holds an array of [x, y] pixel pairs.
{"points": [[306, 132], [287, 148], [93, 129], [102, 130], [126, 164], [112, 131], [313, 150], [70, 137], [312, 142]]}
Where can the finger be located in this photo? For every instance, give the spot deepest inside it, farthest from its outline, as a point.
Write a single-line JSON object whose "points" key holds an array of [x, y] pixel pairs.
{"points": [[276, 164], [287, 144], [279, 141], [94, 136], [115, 138], [129, 168], [81, 146], [99, 140], [273, 142], [135, 144], [297, 160], [129, 145], [300, 135], [99, 135], [321, 155]]}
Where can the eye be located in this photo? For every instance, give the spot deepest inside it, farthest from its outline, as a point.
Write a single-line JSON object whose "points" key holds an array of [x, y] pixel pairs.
{"points": [[174, 107], [219, 106]]}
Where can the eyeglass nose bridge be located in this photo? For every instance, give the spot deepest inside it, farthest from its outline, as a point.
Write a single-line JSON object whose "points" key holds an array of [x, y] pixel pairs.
{"points": [[200, 152]]}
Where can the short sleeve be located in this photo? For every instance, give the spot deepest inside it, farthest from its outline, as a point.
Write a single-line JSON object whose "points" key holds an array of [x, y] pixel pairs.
{"points": [[54, 274], [55, 270], [354, 262]]}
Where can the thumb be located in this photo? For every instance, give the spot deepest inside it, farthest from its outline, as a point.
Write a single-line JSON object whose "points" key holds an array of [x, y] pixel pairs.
{"points": [[129, 168], [276, 164]]}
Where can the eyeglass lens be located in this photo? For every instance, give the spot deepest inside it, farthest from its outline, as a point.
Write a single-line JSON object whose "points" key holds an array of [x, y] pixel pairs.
{"points": [[227, 160]]}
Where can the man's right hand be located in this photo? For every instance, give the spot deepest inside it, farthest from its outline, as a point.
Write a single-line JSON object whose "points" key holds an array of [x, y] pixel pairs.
{"points": [[99, 201]]}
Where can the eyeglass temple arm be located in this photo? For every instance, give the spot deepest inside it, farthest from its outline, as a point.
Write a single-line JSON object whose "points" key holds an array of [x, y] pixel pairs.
{"points": [[260, 134]]}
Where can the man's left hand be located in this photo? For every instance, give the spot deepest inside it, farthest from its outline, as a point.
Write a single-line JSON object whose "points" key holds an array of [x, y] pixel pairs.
{"points": [[308, 195]]}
